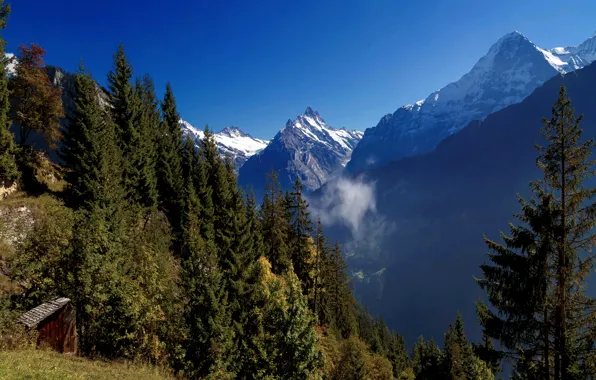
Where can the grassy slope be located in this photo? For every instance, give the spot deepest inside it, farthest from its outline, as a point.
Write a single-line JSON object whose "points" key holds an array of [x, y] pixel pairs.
{"points": [[48, 365]]}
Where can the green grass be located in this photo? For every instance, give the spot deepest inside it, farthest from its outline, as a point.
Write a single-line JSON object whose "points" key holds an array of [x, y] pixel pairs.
{"points": [[48, 365]]}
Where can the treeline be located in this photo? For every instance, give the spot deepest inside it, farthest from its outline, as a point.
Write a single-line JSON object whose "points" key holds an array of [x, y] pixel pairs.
{"points": [[166, 260]]}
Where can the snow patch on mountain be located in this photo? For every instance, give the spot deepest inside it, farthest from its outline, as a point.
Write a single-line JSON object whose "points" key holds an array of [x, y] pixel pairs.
{"points": [[576, 57], [306, 147], [232, 141], [511, 70]]}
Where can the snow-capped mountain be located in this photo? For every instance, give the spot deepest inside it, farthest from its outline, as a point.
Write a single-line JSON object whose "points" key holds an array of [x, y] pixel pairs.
{"points": [[306, 147], [230, 141], [574, 57], [508, 73]]}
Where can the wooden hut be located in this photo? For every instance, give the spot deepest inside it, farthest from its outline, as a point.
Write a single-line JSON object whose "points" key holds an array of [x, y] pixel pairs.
{"points": [[55, 322]]}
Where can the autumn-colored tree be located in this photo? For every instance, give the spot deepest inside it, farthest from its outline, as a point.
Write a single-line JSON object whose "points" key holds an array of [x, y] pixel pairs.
{"points": [[8, 167], [37, 103]]}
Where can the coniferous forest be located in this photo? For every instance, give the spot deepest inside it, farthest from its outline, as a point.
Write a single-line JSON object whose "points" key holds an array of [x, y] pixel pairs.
{"points": [[167, 261]]}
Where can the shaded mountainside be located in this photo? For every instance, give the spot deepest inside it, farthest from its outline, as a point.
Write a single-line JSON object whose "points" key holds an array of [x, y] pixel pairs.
{"points": [[440, 204], [306, 147], [510, 71]]}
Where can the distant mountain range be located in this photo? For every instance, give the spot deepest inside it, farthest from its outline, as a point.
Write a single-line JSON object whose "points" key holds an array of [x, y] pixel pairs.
{"points": [[510, 71], [307, 147], [231, 141]]}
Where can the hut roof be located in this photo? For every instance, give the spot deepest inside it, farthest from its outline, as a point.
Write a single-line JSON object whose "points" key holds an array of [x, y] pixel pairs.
{"points": [[34, 316]]}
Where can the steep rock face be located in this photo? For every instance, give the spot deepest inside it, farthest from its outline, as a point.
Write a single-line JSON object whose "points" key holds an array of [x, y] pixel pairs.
{"points": [[65, 81], [509, 72], [306, 147], [231, 141]]}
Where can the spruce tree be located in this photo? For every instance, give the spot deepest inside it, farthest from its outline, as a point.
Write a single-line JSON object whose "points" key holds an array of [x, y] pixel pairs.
{"points": [[275, 225], [100, 256], [145, 150], [319, 304], [209, 346], [169, 162], [342, 303], [301, 228], [8, 167], [458, 359], [397, 353], [426, 361], [122, 99], [538, 277], [83, 151], [125, 105]]}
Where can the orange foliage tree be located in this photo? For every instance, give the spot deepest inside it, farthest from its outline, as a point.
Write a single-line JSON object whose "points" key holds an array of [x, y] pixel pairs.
{"points": [[37, 102]]}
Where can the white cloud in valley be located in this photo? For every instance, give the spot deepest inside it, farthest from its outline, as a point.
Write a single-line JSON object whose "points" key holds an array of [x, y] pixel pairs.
{"points": [[349, 202]]}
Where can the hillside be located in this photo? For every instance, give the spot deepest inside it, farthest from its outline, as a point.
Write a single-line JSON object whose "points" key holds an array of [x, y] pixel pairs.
{"points": [[48, 365]]}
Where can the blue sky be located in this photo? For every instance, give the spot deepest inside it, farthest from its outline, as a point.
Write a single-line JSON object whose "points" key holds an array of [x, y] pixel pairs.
{"points": [[255, 64]]}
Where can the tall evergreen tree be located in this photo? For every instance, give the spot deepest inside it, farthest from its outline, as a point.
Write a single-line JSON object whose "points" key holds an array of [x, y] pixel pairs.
{"points": [[426, 360], [208, 351], [319, 306], [539, 291], [85, 157], [145, 151], [275, 225], [398, 355], [100, 255], [125, 110], [301, 228], [169, 164], [8, 167], [341, 298], [458, 359], [122, 99], [90, 152]]}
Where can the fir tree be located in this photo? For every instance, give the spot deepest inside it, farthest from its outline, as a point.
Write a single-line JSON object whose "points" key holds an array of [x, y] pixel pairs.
{"points": [[86, 157], [169, 164], [301, 228], [458, 360], [319, 305], [397, 353], [340, 294], [8, 167], [145, 150], [540, 290], [275, 225], [210, 334], [426, 361], [125, 105], [122, 99]]}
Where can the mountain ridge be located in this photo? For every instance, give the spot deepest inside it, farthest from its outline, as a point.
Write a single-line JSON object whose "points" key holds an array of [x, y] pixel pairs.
{"points": [[511, 69], [306, 147]]}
